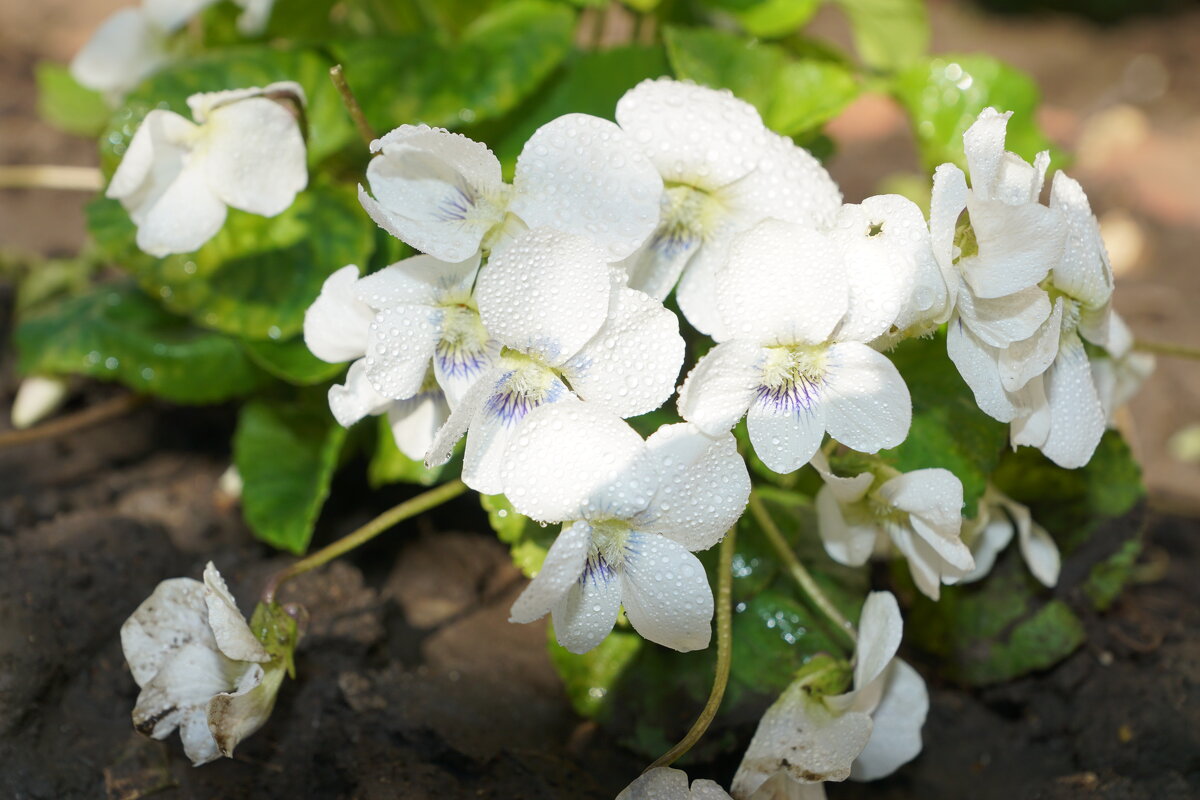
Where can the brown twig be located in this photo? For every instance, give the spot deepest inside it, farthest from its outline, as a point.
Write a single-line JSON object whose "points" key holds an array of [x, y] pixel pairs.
{"points": [[109, 409], [338, 76]]}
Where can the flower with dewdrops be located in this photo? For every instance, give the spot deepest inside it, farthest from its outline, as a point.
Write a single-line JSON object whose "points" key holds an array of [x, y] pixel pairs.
{"points": [[127, 48], [245, 150], [416, 339], [568, 326], [918, 512], [632, 513], [201, 668], [1119, 371], [991, 531], [724, 172], [665, 783], [443, 193], [796, 362], [817, 731]]}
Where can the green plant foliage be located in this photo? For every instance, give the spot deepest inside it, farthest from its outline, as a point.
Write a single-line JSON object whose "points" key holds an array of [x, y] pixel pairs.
{"points": [[500, 60], [948, 429], [389, 465], [793, 95], [257, 277], [291, 361], [68, 106], [115, 332], [286, 452], [527, 540], [943, 96], [771, 19], [888, 34], [1107, 578], [587, 678]]}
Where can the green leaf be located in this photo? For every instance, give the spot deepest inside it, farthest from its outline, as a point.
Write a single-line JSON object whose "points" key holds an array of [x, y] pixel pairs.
{"points": [[258, 275], [501, 59], [772, 19], [948, 429], [774, 635], [389, 465], [1107, 578], [527, 541], [945, 94], [68, 106], [888, 34], [329, 128], [291, 361], [286, 452], [793, 95], [117, 333], [589, 677]]}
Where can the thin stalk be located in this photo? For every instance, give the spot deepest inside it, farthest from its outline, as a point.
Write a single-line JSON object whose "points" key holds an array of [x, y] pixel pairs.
{"points": [[801, 575], [72, 422], [724, 655], [1167, 349], [51, 176], [338, 76], [409, 508]]}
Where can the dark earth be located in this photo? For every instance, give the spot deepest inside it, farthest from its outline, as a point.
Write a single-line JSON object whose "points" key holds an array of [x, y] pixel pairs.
{"points": [[412, 684]]}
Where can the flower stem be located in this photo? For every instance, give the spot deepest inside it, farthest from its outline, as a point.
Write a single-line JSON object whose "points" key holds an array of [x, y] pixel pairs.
{"points": [[1167, 349], [801, 575], [409, 508], [338, 76], [51, 176], [724, 655], [73, 422]]}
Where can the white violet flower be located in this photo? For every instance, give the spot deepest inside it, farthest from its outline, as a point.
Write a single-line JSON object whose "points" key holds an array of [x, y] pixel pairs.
{"points": [[443, 193], [568, 326], [633, 512], [919, 512], [992, 529], [245, 150], [813, 734], [127, 48], [724, 172], [796, 362], [199, 666], [665, 783]]}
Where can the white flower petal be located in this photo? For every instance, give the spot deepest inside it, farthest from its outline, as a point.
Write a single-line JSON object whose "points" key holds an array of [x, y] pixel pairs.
{"points": [[233, 635], [846, 543], [583, 175], [721, 387], [255, 158], [933, 498], [547, 294], [336, 324], [1039, 550], [708, 790], [170, 15], [1076, 417], [185, 216], [946, 204], [897, 722], [564, 564], [784, 284], [983, 145], [461, 417], [174, 613], [703, 486], [1031, 426], [199, 745], [786, 435], [989, 535], [233, 716], [1084, 271], [788, 184], [660, 783], [416, 421], [1023, 361], [696, 293], [695, 135], [574, 460], [880, 629], [420, 280], [125, 49], [153, 160], [630, 366], [438, 191], [589, 610], [1000, 321], [655, 267], [781, 786], [666, 593], [977, 364], [1017, 246], [400, 343], [179, 693], [843, 490], [868, 406], [927, 568], [356, 398]]}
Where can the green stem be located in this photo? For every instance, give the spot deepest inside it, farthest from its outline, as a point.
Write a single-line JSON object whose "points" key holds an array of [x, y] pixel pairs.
{"points": [[1167, 349], [409, 508], [338, 76], [724, 655], [801, 575]]}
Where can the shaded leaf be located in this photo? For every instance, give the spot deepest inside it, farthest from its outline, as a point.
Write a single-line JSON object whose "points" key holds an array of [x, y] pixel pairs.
{"points": [[588, 678], [888, 34], [771, 19], [68, 106], [389, 465], [291, 361], [527, 541]]}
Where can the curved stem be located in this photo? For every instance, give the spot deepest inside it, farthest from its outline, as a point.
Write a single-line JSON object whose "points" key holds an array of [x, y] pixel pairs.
{"points": [[51, 176], [338, 76], [1167, 349], [113, 407], [724, 655], [409, 508], [801, 575]]}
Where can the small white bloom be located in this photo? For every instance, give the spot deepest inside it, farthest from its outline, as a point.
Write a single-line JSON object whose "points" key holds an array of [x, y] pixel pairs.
{"points": [[664, 783], [784, 362], [1120, 372], [632, 512], [177, 177], [443, 193], [568, 327], [414, 334], [990, 532], [724, 173], [127, 48], [919, 512], [809, 735], [199, 666], [171, 15], [38, 397]]}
